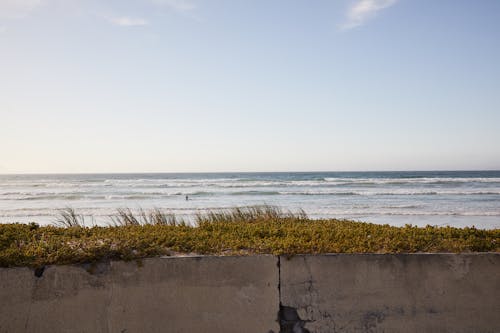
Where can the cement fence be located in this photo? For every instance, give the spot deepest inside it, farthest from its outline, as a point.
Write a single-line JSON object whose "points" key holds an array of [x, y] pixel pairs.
{"points": [[258, 294]]}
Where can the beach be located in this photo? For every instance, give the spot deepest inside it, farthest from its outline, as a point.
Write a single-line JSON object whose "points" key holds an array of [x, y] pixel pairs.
{"points": [[454, 198]]}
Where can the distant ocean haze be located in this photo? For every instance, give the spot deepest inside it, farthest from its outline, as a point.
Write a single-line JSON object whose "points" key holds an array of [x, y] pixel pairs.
{"points": [[456, 198]]}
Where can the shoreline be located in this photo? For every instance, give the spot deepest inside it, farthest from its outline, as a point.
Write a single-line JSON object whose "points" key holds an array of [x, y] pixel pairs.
{"points": [[484, 222]]}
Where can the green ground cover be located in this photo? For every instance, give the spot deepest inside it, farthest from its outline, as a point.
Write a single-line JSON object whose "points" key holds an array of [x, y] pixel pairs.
{"points": [[254, 230]]}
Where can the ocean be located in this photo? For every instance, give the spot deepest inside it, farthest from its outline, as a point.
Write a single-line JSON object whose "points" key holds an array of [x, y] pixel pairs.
{"points": [[455, 198]]}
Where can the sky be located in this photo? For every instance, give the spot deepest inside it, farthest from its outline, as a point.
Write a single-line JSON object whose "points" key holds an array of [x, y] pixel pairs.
{"points": [[248, 85]]}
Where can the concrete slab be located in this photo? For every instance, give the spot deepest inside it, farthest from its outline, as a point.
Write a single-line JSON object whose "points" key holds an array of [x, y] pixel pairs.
{"points": [[190, 294], [391, 293], [16, 286]]}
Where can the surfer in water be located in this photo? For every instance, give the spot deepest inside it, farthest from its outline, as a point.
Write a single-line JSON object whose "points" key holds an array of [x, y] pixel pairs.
{"points": [[187, 197]]}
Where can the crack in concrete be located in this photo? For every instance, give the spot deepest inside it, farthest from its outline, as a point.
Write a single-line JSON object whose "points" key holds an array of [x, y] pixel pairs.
{"points": [[288, 318], [110, 302], [38, 274], [279, 282]]}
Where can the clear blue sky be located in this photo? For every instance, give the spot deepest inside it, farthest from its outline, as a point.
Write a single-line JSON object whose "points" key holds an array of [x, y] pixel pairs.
{"points": [[256, 85]]}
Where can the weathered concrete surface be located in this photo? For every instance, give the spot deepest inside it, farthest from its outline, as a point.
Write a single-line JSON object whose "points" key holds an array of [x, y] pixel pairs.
{"points": [[192, 294], [392, 293], [315, 293]]}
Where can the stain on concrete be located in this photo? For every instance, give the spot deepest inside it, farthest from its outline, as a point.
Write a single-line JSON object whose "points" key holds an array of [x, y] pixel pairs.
{"points": [[97, 268], [39, 271], [290, 321], [371, 319]]}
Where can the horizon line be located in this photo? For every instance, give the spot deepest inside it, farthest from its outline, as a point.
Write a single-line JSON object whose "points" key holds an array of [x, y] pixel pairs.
{"points": [[243, 172]]}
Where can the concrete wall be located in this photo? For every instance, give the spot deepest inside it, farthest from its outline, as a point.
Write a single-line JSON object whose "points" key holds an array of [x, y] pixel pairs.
{"points": [[258, 294], [194, 294], [392, 293]]}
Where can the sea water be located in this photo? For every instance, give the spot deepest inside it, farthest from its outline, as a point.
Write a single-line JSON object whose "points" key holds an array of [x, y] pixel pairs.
{"points": [[455, 198]]}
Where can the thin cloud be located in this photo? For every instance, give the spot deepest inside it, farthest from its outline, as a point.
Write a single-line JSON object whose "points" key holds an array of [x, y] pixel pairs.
{"points": [[179, 5], [363, 10], [13, 9], [125, 21]]}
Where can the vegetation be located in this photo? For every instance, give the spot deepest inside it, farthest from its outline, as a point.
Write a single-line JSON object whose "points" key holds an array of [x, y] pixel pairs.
{"points": [[240, 231], [126, 217], [69, 218]]}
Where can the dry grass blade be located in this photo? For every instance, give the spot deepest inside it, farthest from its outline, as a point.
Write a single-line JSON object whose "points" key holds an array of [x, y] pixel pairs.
{"points": [[157, 217], [251, 214], [68, 218], [126, 217]]}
